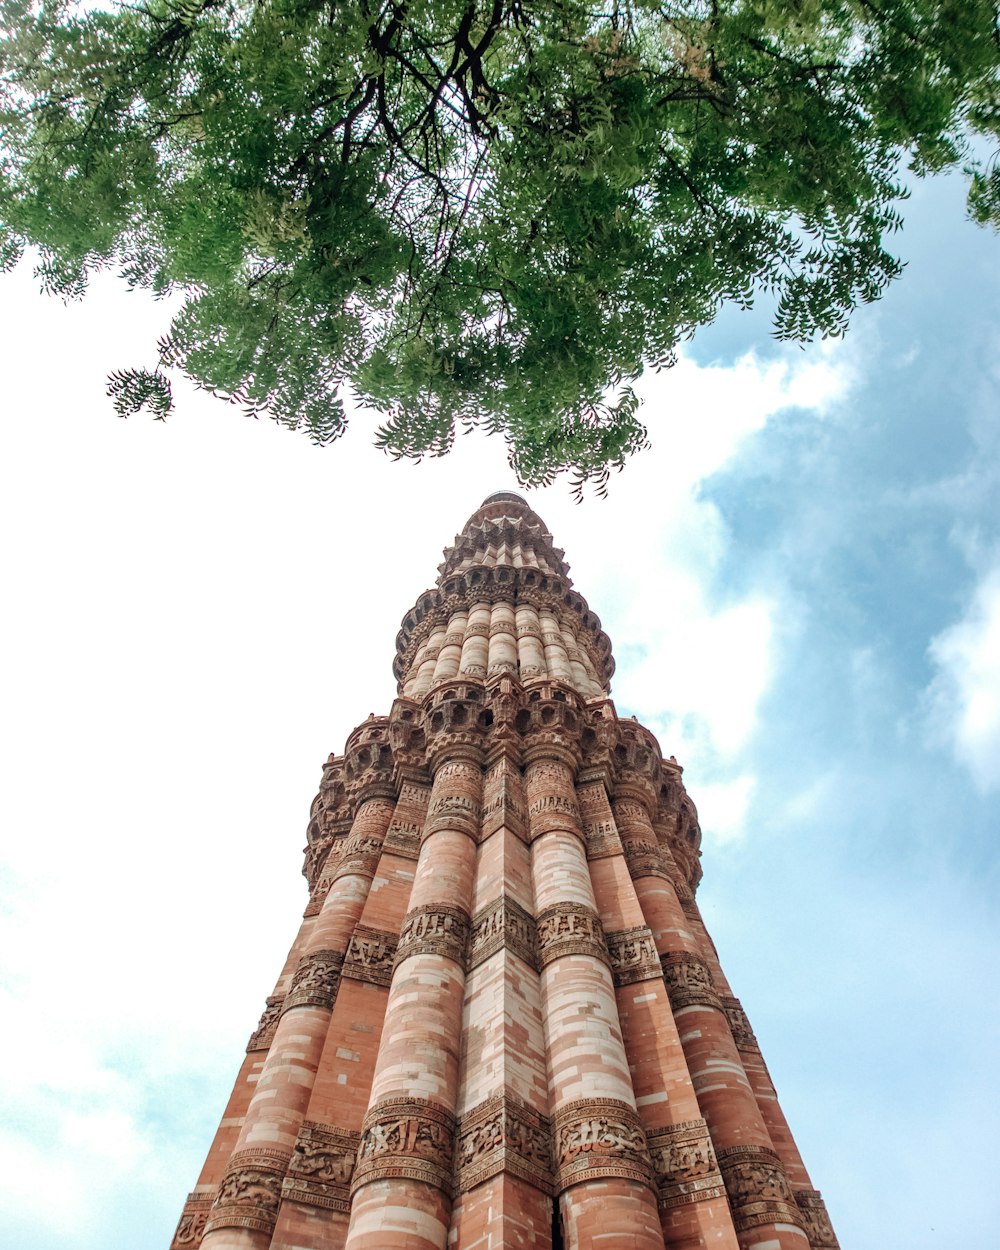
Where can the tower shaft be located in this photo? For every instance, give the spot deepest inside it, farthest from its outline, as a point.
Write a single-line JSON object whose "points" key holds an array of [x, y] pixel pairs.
{"points": [[502, 1022]]}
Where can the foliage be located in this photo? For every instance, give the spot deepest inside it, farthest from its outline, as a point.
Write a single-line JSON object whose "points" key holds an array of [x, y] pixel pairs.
{"points": [[477, 212]]}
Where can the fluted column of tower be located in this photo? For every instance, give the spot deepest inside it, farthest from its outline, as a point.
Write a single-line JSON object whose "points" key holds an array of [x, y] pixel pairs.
{"points": [[502, 1021]]}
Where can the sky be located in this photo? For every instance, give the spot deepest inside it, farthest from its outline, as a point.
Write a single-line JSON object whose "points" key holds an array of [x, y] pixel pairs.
{"points": [[801, 581]]}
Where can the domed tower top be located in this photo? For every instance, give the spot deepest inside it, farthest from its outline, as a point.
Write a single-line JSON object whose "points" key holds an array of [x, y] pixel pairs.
{"points": [[503, 603]]}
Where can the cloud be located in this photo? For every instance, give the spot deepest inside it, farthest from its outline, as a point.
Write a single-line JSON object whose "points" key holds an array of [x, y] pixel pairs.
{"points": [[964, 698]]}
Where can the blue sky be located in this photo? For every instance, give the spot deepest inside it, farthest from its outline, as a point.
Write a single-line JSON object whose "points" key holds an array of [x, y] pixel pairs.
{"points": [[802, 584]]}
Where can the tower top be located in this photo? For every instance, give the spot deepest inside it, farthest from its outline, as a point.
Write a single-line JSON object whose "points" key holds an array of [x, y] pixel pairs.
{"points": [[503, 603], [505, 496]]}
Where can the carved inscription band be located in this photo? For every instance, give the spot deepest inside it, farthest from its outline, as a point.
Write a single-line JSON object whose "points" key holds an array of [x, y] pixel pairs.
{"points": [[569, 929], [370, 956], [263, 1034], [739, 1025], [316, 981], [322, 1167], [758, 1190], [644, 859], [815, 1220], [501, 924], [408, 1138], [434, 930], [250, 1191], [599, 1137], [504, 1134], [633, 955], [689, 981], [194, 1217], [685, 1165]]}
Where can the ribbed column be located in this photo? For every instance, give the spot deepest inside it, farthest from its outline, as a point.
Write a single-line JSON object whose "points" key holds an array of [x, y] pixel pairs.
{"points": [[580, 679], [595, 687], [476, 644], [402, 1183], [427, 662], [694, 1212], [315, 1202], [450, 655], [530, 652], [245, 1209], [603, 1168], [503, 640], [556, 659], [504, 1133], [194, 1217], [763, 1206], [809, 1200]]}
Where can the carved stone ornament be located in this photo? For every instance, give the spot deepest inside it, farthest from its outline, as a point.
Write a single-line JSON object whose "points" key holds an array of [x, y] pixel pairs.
{"points": [[504, 1134], [370, 956], [458, 812], [758, 1189], [501, 924], [408, 1138], [633, 955], [359, 856], [191, 1226], [815, 1220], [402, 838], [600, 1137], [316, 981], [684, 1164], [739, 1025], [601, 837], [250, 1192], [569, 929], [434, 930], [263, 1034], [503, 800], [689, 981], [644, 859], [322, 1166]]}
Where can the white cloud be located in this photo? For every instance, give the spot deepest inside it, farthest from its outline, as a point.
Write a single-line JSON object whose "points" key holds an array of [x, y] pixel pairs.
{"points": [[964, 698]]}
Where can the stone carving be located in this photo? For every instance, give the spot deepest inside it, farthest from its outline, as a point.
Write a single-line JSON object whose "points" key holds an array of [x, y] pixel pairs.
{"points": [[689, 981], [370, 956], [250, 1191], [316, 981], [191, 1226], [322, 1166], [569, 929], [263, 1034], [359, 856], [410, 1138], [601, 838], [434, 930], [454, 811], [815, 1220], [758, 1190], [739, 1025], [633, 955], [503, 805], [402, 838], [684, 1164], [503, 923], [504, 1134], [599, 1137], [644, 858]]}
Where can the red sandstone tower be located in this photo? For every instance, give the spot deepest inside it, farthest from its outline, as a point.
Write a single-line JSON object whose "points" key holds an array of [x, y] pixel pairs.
{"points": [[502, 1023]]}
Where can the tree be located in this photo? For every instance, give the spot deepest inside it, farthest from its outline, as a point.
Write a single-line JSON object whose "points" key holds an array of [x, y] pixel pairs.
{"points": [[477, 212]]}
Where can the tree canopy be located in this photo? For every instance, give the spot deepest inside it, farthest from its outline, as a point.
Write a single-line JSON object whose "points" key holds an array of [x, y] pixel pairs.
{"points": [[478, 212]]}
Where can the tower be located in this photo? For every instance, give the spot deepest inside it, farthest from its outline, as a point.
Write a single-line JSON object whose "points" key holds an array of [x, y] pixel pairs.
{"points": [[502, 992]]}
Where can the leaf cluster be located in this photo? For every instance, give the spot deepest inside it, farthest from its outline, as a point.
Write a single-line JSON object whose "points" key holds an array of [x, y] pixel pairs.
{"points": [[487, 213]]}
